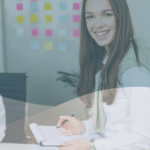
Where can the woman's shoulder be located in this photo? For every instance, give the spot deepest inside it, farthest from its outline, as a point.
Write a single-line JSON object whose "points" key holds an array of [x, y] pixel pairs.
{"points": [[136, 76], [129, 60]]}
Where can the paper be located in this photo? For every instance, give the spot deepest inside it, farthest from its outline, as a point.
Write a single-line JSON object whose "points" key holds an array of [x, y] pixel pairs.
{"points": [[49, 135]]}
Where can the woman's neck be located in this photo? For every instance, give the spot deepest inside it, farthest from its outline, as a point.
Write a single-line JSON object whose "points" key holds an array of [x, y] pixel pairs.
{"points": [[107, 49]]}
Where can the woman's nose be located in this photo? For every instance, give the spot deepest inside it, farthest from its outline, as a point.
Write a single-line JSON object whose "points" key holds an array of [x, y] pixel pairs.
{"points": [[98, 22]]}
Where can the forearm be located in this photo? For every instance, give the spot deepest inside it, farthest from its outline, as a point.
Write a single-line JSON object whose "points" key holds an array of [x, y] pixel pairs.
{"points": [[125, 140]]}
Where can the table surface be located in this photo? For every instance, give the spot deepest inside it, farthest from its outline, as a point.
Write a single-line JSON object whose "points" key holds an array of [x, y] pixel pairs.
{"points": [[12, 146]]}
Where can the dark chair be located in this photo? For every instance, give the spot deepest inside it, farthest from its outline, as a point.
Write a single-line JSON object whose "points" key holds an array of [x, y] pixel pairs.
{"points": [[13, 91]]}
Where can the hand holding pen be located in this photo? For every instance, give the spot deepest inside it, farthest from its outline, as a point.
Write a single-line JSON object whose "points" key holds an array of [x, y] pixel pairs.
{"points": [[67, 120], [69, 125]]}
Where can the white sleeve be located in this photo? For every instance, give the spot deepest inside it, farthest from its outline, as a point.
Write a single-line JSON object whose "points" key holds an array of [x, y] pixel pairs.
{"points": [[2, 119], [88, 124], [137, 137]]}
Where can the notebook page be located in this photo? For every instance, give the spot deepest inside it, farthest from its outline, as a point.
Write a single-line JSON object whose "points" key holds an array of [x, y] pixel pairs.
{"points": [[38, 134], [52, 134]]}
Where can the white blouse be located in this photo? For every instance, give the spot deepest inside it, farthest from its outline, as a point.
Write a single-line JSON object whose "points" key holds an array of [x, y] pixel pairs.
{"points": [[2, 119], [127, 124]]}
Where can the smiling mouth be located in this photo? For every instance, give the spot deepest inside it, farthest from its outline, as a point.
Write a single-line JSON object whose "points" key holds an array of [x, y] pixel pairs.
{"points": [[102, 34]]}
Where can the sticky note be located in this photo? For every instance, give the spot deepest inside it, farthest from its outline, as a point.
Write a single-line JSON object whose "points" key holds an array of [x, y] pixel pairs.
{"points": [[76, 32], [35, 45], [34, 32], [33, 6], [19, 6], [33, 18], [76, 6], [62, 47], [63, 6], [48, 33], [47, 6], [20, 32], [76, 18], [20, 19], [48, 46], [48, 18], [33, 0], [62, 33], [62, 19]]}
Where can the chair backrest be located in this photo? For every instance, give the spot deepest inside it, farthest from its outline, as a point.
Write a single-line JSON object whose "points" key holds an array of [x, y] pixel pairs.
{"points": [[13, 91]]}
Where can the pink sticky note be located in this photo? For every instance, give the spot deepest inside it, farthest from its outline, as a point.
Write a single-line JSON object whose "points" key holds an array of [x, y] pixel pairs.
{"points": [[19, 6], [34, 32], [76, 18], [76, 33], [33, 0], [48, 33], [76, 6]]}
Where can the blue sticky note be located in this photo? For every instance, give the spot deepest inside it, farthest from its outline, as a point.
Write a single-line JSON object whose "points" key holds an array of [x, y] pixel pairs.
{"points": [[33, 6], [62, 47], [62, 19], [35, 45], [63, 6]]}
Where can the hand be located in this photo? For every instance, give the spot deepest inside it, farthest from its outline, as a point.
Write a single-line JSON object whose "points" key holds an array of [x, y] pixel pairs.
{"points": [[78, 144], [72, 126]]}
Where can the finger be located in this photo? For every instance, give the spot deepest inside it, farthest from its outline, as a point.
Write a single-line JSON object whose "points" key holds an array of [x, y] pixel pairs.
{"points": [[62, 130], [67, 126], [60, 121], [65, 132], [68, 134], [68, 131], [68, 118]]}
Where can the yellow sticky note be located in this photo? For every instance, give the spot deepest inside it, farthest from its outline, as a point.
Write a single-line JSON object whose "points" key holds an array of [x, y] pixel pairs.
{"points": [[47, 6], [20, 19], [33, 18], [48, 46], [48, 18]]}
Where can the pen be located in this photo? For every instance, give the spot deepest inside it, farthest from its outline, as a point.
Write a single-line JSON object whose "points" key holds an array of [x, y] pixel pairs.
{"points": [[67, 120]]}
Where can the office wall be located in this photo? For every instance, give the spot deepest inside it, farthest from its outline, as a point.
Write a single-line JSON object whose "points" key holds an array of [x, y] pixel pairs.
{"points": [[41, 65], [140, 17]]}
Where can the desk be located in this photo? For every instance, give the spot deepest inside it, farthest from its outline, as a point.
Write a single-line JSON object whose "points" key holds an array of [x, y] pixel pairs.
{"points": [[9, 146]]}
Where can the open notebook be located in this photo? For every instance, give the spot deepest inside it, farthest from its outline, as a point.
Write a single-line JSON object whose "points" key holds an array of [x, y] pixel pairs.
{"points": [[50, 136]]}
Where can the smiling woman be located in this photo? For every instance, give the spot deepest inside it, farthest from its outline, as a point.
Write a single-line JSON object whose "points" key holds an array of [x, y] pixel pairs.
{"points": [[114, 80]]}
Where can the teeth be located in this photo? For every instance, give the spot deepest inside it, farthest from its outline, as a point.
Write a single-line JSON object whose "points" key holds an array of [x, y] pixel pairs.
{"points": [[100, 34]]}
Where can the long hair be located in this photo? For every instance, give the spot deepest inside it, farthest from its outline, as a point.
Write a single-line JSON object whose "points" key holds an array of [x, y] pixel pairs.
{"points": [[91, 55]]}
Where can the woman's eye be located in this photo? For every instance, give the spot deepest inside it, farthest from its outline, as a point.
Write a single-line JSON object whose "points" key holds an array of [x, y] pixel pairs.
{"points": [[89, 17], [108, 15]]}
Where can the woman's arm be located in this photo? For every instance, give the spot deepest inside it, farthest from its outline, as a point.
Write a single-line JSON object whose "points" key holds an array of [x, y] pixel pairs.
{"points": [[2, 119], [137, 88]]}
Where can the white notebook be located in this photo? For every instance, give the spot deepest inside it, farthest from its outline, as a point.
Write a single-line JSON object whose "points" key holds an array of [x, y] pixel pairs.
{"points": [[50, 136]]}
